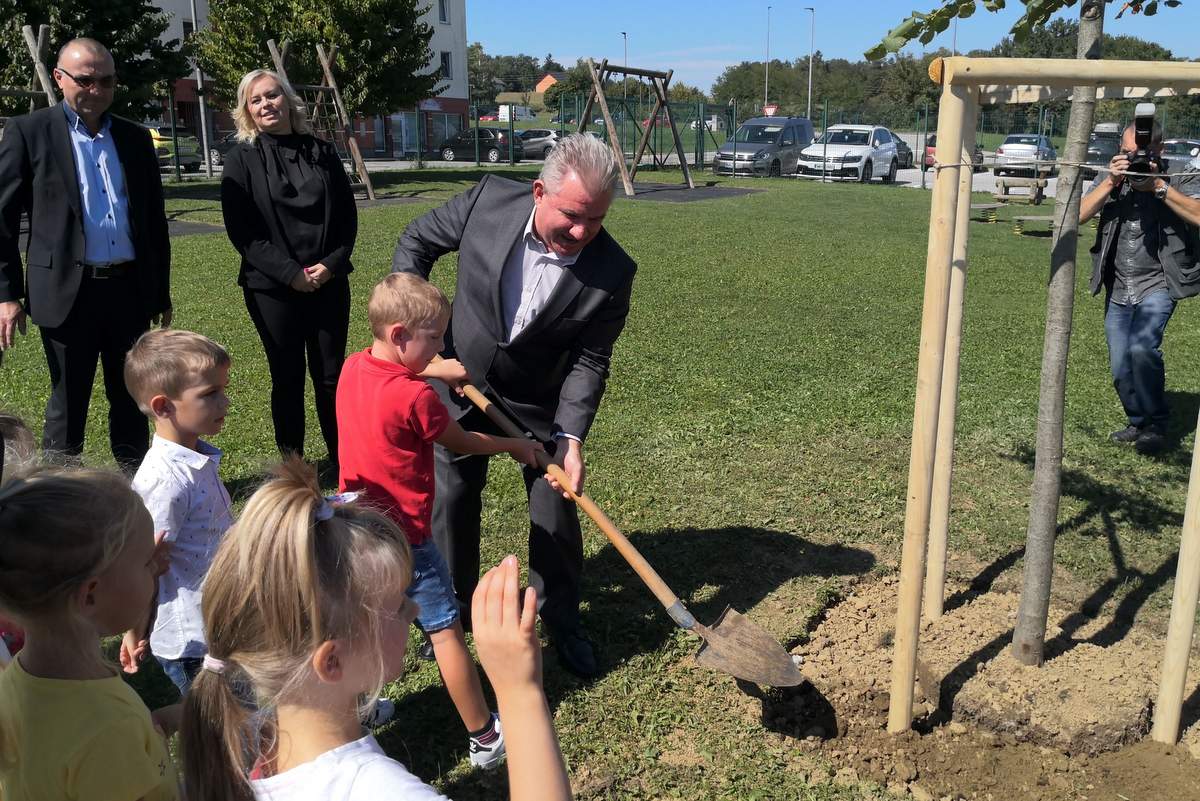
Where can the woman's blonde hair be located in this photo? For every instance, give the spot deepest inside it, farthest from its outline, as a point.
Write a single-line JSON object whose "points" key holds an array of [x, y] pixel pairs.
{"points": [[285, 579], [247, 131]]}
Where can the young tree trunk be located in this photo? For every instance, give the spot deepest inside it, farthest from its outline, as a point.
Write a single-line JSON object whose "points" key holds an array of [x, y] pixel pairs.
{"points": [[1030, 633]]}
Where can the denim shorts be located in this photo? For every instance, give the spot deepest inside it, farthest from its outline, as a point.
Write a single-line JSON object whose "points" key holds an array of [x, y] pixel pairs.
{"points": [[432, 589], [181, 671]]}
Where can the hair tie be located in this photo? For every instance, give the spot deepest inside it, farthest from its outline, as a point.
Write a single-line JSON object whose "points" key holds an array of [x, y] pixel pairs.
{"points": [[325, 510], [213, 664]]}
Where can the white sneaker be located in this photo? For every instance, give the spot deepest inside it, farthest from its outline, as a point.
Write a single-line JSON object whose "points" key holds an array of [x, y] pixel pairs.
{"points": [[383, 711], [491, 755]]}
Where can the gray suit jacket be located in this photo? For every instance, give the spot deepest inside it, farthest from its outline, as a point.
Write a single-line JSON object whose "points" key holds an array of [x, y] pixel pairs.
{"points": [[552, 375]]}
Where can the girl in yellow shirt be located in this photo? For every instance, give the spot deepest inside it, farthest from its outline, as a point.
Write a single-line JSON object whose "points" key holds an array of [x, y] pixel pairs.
{"points": [[78, 562]]}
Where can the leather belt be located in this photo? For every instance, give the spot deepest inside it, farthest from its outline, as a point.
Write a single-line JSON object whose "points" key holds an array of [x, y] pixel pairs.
{"points": [[115, 269]]}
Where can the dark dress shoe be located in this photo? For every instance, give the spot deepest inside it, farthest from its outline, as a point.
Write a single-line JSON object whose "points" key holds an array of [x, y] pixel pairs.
{"points": [[576, 654], [1150, 443], [1126, 434]]}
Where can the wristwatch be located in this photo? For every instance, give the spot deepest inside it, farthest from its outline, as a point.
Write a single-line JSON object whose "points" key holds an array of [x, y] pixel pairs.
{"points": [[1160, 192]]}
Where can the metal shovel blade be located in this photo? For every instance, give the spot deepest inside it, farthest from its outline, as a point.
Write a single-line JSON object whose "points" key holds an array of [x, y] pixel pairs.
{"points": [[736, 646]]}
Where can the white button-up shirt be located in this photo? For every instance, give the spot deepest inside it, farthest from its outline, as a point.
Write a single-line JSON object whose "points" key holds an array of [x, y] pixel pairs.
{"points": [[187, 500], [107, 234], [531, 273]]}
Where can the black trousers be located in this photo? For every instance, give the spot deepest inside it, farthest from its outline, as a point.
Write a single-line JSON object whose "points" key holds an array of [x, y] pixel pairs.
{"points": [[292, 326], [105, 321], [555, 539]]}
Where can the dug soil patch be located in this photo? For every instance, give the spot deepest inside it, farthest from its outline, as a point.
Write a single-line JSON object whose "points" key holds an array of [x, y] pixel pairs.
{"points": [[988, 727]]}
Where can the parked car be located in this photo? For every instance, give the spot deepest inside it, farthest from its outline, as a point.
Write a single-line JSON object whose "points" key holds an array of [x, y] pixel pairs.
{"points": [[565, 119], [904, 154], [1181, 151], [714, 122], [764, 146], [489, 118], [1103, 144], [1019, 153], [538, 142], [860, 152], [494, 145], [164, 145], [931, 155], [218, 149]]}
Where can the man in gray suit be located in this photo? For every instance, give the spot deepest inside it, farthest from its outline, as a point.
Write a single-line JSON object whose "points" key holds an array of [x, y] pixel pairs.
{"points": [[542, 295]]}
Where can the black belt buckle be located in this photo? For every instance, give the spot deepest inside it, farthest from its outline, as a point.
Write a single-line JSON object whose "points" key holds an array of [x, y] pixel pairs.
{"points": [[111, 270]]}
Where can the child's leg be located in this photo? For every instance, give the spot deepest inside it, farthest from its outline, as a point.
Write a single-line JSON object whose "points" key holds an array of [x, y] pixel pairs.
{"points": [[431, 588], [460, 676]]}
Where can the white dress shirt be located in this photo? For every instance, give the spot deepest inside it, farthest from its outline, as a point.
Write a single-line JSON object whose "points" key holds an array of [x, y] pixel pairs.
{"points": [[530, 274], [187, 500]]}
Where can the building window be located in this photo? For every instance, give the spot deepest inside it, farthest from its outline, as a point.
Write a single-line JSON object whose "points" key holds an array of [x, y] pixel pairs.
{"points": [[443, 11], [446, 72], [188, 29]]}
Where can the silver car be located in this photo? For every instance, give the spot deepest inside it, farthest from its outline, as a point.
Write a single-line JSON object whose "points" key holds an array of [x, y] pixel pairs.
{"points": [[764, 146], [1031, 154], [538, 142]]}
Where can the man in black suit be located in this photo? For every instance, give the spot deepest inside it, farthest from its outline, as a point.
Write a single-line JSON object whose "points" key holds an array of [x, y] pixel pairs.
{"points": [[98, 260], [542, 295]]}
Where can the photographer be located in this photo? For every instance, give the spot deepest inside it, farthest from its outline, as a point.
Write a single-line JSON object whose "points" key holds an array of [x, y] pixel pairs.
{"points": [[1147, 258]]}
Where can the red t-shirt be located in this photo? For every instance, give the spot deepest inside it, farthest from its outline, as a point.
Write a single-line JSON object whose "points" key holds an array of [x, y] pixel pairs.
{"points": [[388, 419]]}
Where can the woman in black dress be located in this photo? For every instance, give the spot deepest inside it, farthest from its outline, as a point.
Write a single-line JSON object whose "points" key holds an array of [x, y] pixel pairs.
{"points": [[289, 211]]}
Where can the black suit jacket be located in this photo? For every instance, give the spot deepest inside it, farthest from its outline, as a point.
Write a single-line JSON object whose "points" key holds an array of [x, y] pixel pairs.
{"points": [[255, 230], [553, 373], [38, 177]]}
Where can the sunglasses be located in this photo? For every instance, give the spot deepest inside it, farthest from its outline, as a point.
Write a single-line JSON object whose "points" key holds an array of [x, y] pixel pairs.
{"points": [[88, 81]]}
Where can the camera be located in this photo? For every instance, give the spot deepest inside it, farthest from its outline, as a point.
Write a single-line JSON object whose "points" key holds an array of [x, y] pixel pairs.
{"points": [[1141, 159]]}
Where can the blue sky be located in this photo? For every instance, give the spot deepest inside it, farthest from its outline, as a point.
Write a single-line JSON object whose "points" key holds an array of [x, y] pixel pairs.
{"points": [[699, 38]]}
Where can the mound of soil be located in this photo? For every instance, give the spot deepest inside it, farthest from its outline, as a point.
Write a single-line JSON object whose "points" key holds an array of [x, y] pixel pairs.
{"points": [[987, 727]]}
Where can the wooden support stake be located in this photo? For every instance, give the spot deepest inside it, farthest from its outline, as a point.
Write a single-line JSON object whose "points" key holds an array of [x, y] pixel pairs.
{"points": [[661, 88], [1169, 706], [598, 88], [37, 46], [586, 116], [943, 465], [344, 117], [952, 115]]}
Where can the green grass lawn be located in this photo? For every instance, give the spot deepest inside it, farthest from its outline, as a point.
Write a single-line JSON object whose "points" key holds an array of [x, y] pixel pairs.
{"points": [[754, 443]]}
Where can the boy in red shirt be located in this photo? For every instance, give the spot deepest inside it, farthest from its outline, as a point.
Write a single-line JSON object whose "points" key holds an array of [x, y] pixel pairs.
{"points": [[388, 419]]}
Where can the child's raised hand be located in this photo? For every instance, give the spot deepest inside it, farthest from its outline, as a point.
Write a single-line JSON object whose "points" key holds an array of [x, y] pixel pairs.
{"points": [[133, 651], [504, 627]]}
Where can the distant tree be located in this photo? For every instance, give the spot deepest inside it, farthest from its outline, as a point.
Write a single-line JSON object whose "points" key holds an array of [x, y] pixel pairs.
{"points": [[685, 93], [550, 65], [383, 51], [575, 82], [519, 73], [129, 28]]}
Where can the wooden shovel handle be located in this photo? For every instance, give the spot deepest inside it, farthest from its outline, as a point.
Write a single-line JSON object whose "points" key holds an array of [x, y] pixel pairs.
{"points": [[631, 554]]}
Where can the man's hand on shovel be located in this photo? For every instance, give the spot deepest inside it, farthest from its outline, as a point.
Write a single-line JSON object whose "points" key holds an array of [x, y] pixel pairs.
{"points": [[569, 457]]}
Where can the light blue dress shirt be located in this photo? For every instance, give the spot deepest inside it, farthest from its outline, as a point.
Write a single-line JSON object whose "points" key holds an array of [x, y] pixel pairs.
{"points": [[106, 234]]}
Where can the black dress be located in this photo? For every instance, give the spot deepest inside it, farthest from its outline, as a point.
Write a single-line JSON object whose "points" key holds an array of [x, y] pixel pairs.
{"points": [[288, 206]]}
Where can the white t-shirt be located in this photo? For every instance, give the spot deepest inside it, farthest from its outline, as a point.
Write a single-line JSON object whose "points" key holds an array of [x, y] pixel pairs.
{"points": [[357, 771]]}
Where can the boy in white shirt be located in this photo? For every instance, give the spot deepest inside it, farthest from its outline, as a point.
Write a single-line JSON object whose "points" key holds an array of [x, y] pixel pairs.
{"points": [[178, 379]]}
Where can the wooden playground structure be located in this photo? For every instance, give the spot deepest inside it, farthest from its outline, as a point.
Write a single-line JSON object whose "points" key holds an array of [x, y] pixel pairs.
{"points": [[967, 83]]}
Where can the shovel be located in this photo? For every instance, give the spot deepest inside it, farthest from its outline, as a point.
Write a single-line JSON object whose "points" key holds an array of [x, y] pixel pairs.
{"points": [[732, 645]]}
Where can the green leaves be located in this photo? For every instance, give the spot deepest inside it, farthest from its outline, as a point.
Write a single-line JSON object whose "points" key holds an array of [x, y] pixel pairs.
{"points": [[926, 27]]}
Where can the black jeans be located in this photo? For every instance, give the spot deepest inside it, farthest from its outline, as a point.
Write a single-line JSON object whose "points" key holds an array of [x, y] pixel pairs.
{"points": [[105, 321], [292, 325], [555, 539]]}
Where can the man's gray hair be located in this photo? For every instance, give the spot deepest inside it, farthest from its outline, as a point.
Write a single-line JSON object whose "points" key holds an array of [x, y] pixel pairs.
{"points": [[592, 161]]}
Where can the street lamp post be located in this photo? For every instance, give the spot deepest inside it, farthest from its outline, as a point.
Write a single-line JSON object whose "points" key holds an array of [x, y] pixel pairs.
{"points": [[203, 109], [624, 89], [767, 71], [812, 33]]}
